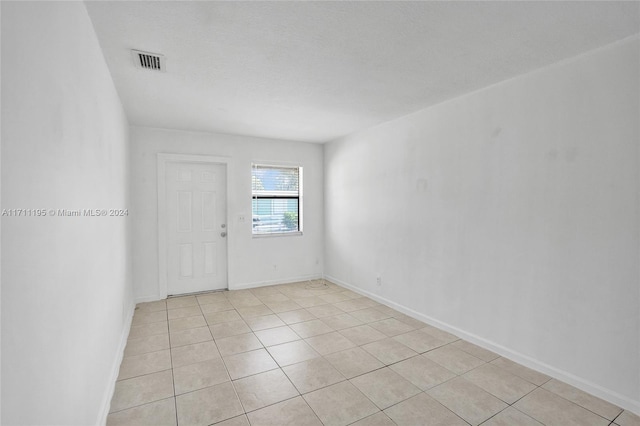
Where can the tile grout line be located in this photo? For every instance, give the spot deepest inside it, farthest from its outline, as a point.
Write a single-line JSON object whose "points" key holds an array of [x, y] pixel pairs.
{"points": [[424, 392], [581, 406], [233, 386], [173, 379], [235, 392], [253, 332]]}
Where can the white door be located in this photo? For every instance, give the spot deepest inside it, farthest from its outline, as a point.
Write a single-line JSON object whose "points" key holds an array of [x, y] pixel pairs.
{"points": [[196, 227]]}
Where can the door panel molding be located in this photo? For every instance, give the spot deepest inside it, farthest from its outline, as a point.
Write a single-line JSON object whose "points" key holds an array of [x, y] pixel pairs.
{"points": [[162, 160]]}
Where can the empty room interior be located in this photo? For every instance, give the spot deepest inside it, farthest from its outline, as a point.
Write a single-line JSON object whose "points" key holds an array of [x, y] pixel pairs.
{"points": [[320, 213]]}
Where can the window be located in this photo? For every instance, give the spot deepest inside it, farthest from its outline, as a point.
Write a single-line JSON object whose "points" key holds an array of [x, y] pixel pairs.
{"points": [[277, 195]]}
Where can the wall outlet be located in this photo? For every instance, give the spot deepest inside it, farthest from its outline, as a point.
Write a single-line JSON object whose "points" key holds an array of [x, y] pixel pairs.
{"points": [[241, 218], [379, 280]]}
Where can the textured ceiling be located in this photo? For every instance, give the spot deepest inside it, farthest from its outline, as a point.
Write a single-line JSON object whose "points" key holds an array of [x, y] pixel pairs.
{"points": [[315, 71]]}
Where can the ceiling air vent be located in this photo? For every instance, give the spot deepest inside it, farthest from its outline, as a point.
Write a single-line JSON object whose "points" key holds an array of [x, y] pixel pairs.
{"points": [[148, 61]]}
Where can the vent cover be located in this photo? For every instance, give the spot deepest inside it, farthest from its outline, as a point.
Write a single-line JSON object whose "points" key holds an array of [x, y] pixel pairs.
{"points": [[148, 61]]}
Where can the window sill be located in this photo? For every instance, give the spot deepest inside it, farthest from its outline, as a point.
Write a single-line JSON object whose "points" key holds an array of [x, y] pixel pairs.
{"points": [[279, 234]]}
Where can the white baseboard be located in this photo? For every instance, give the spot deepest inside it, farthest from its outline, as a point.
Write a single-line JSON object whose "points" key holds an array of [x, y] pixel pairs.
{"points": [[578, 382], [146, 299], [115, 368], [242, 286], [256, 284]]}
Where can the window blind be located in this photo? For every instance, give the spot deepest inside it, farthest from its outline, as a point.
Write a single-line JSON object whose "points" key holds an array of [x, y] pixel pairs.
{"points": [[276, 192]]}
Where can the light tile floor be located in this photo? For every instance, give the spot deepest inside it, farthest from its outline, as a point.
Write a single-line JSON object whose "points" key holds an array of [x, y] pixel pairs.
{"points": [[309, 354]]}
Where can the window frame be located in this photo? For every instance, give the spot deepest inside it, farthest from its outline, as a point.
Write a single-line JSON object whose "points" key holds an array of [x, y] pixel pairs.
{"points": [[277, 195]]}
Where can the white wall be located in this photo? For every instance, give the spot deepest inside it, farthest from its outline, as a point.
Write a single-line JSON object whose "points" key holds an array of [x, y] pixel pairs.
{"points": [[509, 215], [66, 287], [250, 260]]}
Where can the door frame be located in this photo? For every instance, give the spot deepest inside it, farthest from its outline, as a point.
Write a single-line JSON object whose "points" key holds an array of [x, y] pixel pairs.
{"points": [[162, 160]]}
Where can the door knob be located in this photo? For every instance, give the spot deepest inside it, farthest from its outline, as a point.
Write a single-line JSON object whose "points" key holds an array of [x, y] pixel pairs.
{"points": [[224, 225], [223, 234]]}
